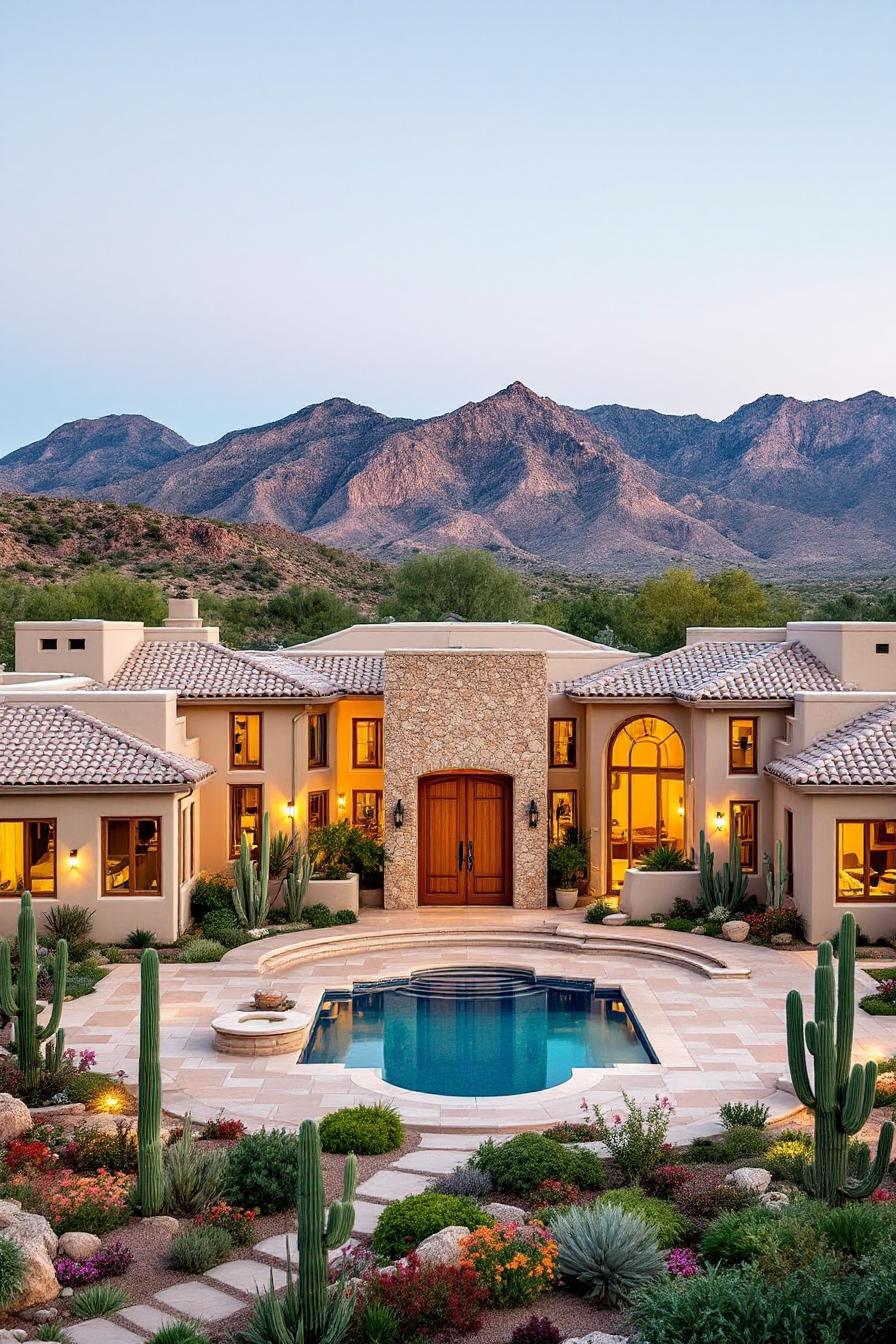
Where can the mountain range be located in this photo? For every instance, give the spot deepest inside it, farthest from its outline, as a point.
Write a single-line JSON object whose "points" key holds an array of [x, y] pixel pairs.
{"points": [[783, 487]]}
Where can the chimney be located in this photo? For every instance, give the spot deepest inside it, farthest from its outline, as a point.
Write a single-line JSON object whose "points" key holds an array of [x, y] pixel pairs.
{"points": [[183, 612]]}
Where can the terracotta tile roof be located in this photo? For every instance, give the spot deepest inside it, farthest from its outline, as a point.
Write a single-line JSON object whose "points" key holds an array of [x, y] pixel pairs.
{"points": [[200, 671], [858, 754], [56, 745], [713, 671], [352, 673]]}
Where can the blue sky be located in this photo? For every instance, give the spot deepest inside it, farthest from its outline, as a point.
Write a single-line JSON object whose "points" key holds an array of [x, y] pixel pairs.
{"points": [[220, 212]]}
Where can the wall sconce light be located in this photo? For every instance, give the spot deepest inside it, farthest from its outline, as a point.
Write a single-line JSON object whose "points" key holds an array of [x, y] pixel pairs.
{"points": [[290, 810], [533, 814], [720, 821], [340, 802], [681, 807], [398, 815], [73, 860]]}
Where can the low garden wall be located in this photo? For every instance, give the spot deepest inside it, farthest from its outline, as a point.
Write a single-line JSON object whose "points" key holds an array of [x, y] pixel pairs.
{"points": [[645, 893]]}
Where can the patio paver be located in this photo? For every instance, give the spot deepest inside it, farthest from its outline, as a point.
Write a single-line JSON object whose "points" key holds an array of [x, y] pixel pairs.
{"points": [[100, 1331], [247, 1275], [435, 1161], [388, 1184], [147, 1318], [366, 1216], [200, 1300]]}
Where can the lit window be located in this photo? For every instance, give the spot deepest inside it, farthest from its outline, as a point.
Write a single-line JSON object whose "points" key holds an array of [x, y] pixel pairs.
{"points": [[367, 811], [563, 742], [744, 826], [367, 744], [866, 860], [245, 741], [317, 741], [132, 856], [563, 814], [245, 816], [28, 857], [318, 810], [742, 737]]}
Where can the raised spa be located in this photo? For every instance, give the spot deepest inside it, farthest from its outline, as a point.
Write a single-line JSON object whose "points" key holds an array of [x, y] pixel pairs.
{"points": [[477, 1031]]}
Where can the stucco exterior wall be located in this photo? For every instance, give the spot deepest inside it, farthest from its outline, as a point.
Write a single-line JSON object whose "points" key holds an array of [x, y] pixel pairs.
{"points": [[457, 710]]}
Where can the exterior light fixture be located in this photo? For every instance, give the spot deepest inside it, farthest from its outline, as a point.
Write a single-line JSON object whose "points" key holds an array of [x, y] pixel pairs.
{"points": [[681, 807], [398, 815], [533, 814], [73, 860], [340, 801], [720, 821], [290, 810]]}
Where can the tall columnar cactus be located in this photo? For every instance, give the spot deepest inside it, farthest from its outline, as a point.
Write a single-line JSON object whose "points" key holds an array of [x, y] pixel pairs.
{"points": [[19, 1000], [251, 899], [843, 1096], [297, 880], [149, 1090], [726, 890], [776, 876]]}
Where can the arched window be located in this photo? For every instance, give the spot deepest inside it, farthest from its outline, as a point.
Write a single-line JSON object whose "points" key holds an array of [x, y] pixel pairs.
{"points": [[645, 792]]}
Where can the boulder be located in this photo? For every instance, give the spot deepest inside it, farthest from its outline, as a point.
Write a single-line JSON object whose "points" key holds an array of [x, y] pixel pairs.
{"points": [[735, 930], [442, 1248], [619, 917], [781, 939], [38, 1243], [755, 1179], [15, 1117], [599, 1337], [775, 1199], [78, 1246], [506, 1213], [161, 1222]]}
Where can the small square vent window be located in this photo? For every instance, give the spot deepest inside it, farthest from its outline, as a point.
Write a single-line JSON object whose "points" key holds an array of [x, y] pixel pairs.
{"points": [[48, 644], [77, 643], [881, 648]]}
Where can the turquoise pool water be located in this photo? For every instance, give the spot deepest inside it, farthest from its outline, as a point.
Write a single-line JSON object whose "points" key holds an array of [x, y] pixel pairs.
{"points": [[477, 1031]]}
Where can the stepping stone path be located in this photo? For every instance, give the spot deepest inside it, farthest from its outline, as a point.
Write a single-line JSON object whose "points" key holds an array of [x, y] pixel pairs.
{"points": [[205, 1299]]}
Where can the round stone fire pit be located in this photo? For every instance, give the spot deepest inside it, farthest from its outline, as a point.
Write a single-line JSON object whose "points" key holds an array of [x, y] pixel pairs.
{"points": [[259, 1031]]}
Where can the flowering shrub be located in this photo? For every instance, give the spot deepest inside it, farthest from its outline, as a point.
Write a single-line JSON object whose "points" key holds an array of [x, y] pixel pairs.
{"points": [[91, 1149], [885, 1091], [770, 921], [108, 1262], [537, 1330], [28, 1155], [238, 1223], [886, 990], [668, 1177], [682, 1263], [89, 1203], [556, 1192], [112, 1260], [883, 1196], [75, 1273], [636, 1141], [219, 1128], [428, 1300], [513, 1264]]}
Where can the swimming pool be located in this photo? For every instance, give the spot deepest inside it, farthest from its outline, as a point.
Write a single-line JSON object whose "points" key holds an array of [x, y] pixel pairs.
{"points": [[477, 1031]]}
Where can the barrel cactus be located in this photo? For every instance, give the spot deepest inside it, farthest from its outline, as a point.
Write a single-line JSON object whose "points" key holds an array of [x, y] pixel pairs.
{"points": [[18, 1001], [149, 1090], [843, 1094]]}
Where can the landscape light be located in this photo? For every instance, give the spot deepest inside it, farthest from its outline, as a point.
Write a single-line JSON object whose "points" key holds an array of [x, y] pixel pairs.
{"points": [[398, 815]]}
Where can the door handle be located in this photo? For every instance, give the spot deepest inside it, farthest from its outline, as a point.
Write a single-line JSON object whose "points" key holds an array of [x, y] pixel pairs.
{"points": [[469, 856], [460, 855]]}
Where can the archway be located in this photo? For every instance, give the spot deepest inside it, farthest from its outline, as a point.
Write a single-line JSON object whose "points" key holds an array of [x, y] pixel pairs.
{"points": [[645, 793]]}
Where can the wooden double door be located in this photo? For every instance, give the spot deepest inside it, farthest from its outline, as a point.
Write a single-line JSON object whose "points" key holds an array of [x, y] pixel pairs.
{"points": [[465, 840]]}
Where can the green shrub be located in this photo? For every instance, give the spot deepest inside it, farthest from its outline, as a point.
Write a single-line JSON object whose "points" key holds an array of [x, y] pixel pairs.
{"points": [[607, 1251], [664, 1220], [407, 1222], [89, 1149], [100, 1299], [743, 1115], [318, 916], [786, 1158], [877, 1006], [198, 1249], [345, 917], [736, 1144], [180, 1332], [735, 1237], [378, 1323], [74, 923], [113, 954], [362, 1130], [597, 910], [857, 1229], [193, 1177], [12, 1271], [202, 949], [213, 892], [523, 1162], [141, 939], [89, 1087], [678, 924], [222, 926], [665, 859], [262, 1170]]}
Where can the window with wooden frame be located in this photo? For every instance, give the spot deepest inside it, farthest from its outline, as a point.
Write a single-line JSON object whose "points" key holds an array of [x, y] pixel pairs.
{"points": [[744, 817], [245, 741], [367, 811], [245, 816], [367, 744], [317, 741], [866, 861], [318, 809], [187, 842], [28, 857], [132, 856], [743, 738], [563, 814], [562, 742], [788, 849]]}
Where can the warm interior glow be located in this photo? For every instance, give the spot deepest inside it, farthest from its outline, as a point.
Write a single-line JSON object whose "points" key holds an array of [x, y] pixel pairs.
{"points": [[646, 793]]}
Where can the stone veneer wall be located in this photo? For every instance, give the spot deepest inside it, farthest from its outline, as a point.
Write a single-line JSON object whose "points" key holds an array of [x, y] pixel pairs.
{"points": [[458, 709]]}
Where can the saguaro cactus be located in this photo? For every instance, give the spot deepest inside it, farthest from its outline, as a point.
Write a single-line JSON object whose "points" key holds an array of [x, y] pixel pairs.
{"points": [[297, 880], [250, 895], [149, 1090], [843, 1096], [19, 1000]]}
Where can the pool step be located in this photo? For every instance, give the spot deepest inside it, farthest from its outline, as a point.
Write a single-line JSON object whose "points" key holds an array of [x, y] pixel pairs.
{"points": [[469, 982]]}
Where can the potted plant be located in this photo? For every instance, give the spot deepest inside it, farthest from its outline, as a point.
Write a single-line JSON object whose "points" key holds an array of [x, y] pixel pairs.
{"points": [[333, 851], [567, 863]]}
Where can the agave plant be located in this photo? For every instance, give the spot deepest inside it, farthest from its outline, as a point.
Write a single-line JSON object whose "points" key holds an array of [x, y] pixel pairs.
{"points": [[606, 1250]]}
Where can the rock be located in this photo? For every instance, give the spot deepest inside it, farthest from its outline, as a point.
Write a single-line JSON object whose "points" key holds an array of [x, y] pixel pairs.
{"points": [[619, 917], [506, 1213], [13, 1336], [67, 1292], [42, 1315], [698, 928], [38, 1242], [160, 1222], [755, 1179], [41, 1113], [15, 1117], [735, 930], [599, 1337], [78, 1245], [781, 939], [775, 1199], [442, 1248]]}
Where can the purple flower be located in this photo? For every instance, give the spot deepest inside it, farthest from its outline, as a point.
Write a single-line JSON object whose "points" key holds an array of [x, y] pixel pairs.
{"points": [[72, 1274], [682, 1263]]}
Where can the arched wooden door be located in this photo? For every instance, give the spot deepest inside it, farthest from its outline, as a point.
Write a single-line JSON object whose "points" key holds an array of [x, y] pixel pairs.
{"points": [[465, 840]]}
